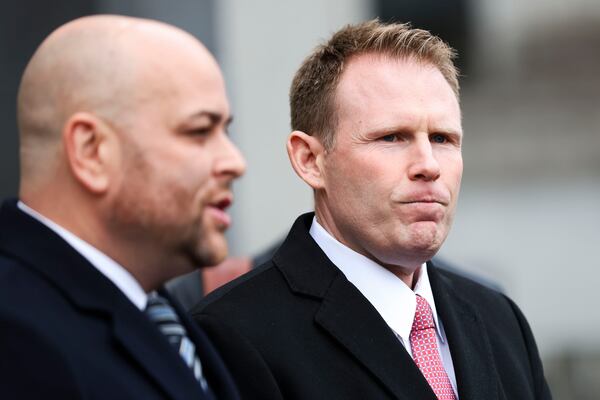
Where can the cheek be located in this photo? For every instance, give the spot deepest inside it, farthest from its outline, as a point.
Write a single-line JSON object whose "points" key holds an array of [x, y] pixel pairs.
{"points": [[172, 187], [360, 191], [183, 173], [452, 168], [453, 179], [198, 177]]}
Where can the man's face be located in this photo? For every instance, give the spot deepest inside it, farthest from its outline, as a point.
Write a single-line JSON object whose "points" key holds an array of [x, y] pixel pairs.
{"points": [[178, 162], [392, 179]]}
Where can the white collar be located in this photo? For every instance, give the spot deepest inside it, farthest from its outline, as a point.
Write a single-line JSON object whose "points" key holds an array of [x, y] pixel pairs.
{"points": [[118, 275], [391, 297]]}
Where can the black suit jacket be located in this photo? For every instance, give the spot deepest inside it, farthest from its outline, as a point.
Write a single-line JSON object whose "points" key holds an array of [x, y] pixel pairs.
{"points": [[66, 332], [296, 328]]}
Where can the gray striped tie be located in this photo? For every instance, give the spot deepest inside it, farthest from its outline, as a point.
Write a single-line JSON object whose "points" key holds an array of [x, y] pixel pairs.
{"points": [[163, 315]]}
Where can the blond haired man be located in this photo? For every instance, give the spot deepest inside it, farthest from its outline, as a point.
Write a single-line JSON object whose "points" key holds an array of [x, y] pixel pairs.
{"points": [[350, 306]]}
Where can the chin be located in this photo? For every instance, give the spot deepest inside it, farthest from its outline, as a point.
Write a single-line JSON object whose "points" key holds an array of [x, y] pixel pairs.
{"points": [[425, 242], [215, 251], [425, 249], [207, 252], [219, 257], [427, 232]]}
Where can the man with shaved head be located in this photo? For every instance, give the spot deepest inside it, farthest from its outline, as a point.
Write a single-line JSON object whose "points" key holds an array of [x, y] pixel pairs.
{"points": [[126, 168]]}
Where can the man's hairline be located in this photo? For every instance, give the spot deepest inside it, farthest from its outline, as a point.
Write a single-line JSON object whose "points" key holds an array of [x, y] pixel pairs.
{"points": [[333, 103]]}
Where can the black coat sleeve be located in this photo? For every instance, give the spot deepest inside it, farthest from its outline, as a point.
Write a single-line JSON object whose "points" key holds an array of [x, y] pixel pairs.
{"points": [[542, 391]]}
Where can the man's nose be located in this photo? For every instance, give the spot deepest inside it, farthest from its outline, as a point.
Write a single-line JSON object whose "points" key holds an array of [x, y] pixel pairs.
{"points": [[230, 160], [423, 163]]}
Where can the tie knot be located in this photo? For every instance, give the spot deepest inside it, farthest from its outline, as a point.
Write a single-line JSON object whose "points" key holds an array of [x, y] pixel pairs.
{"points": [[160, 311], [155, 299], [423, 315]]}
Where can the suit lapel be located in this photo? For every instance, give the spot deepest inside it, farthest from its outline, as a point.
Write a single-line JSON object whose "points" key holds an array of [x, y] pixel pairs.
{"points": [[474, 365], [347, 315], [357, 326], [94, 296], [139, 338]]}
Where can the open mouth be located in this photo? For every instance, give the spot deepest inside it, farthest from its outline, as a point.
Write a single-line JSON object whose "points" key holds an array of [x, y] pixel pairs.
{"points": [[222, 204], [218, 211]]}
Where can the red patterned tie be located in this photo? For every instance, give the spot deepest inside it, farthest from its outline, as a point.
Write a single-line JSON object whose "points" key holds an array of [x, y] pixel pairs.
{"points": [[425, 351]]}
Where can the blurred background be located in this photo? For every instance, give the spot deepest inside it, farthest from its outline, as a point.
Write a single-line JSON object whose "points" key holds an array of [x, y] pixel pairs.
{"points": [[529, 215]]}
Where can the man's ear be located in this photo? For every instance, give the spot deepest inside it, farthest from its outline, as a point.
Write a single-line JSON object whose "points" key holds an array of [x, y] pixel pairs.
{"points": [[89, 150], [306, 155]]}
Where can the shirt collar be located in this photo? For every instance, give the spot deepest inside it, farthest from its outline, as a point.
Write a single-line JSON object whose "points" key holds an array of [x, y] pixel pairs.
{"points": [[108, 267], [391, 297]]}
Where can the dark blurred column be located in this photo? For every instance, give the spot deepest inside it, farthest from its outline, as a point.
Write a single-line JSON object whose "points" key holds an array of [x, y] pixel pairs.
{"points": [[448, 19], [23, 25]]}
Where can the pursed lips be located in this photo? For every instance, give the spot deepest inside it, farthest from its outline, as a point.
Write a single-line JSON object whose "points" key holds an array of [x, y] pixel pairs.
{"points": [[424, 206], [425, 200]]}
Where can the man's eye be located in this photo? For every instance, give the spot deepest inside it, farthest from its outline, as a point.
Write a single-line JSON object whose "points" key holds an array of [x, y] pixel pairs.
{"points": [[200, 131], [439, 138], [389, 138]]}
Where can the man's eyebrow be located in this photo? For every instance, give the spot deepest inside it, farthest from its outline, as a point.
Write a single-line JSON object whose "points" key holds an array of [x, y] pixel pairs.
{"points": [[389, 130], [215, 117]]}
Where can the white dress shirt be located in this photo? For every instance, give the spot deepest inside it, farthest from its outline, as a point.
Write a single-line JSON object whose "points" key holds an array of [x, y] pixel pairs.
{"points": [[391, 297], [108, 267]]}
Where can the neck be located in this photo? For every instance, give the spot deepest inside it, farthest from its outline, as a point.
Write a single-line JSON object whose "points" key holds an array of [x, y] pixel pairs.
{"points": [[139, 261], [408, 275]]}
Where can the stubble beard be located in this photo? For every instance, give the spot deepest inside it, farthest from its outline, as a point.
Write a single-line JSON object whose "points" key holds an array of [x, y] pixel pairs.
{"points": [[198, 249], [155, 226], [178, 246]]}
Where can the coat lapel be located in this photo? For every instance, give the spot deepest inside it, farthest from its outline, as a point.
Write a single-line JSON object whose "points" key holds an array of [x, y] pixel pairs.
{"points": [[139, 338], [348, 316], [94, 296], [357, 326], [474, 364]]}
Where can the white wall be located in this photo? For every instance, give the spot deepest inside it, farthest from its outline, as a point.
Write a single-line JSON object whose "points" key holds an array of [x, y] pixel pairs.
{"points": [[537, 240], [261, 44]]}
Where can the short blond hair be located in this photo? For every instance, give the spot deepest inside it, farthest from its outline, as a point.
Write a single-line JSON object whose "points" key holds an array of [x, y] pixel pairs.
{"points": [[312, 94]]}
